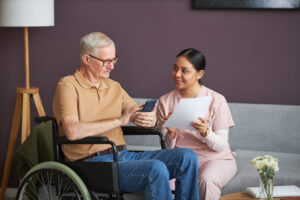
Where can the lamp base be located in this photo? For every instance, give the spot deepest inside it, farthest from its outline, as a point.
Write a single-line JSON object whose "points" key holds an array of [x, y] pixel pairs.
{"points": [[22, 107]]}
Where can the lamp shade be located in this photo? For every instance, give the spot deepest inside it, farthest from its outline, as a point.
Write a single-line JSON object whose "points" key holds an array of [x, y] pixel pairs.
{"points": [[26, 13]]}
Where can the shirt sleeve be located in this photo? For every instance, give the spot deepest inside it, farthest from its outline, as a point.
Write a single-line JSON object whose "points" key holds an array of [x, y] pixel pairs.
{"points": [[217, 140], [127, 101], [221, 118], [170, 143], [65, 100], [160, 114]]}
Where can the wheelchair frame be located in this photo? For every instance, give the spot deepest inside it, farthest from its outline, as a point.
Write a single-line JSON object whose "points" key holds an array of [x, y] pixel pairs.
{"points": [[82, 180]]}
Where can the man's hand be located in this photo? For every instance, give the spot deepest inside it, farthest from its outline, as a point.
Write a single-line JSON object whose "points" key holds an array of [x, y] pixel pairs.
{"points": [[145, 119], [129, 114]]}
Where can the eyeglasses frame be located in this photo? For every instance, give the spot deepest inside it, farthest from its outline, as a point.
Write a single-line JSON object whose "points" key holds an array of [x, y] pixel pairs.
{"points": [[112, 61]]}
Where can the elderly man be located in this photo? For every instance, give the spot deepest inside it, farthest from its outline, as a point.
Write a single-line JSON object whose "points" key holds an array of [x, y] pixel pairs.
{"points": [[88, 103]]}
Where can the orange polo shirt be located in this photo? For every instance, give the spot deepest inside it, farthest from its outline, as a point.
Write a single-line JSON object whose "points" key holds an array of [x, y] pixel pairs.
{"points": [[77, 96]]}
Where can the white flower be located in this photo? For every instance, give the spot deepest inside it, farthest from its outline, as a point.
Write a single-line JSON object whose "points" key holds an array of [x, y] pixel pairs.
{"points": [[265, 165], [266, 161]]}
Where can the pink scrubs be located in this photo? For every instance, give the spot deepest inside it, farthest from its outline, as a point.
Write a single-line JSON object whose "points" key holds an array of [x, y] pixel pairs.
{"points": [[216, 162]]}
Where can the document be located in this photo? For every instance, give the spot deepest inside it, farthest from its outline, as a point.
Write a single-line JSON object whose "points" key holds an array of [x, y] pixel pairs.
{"points": [[188, 110], [279, 191]]}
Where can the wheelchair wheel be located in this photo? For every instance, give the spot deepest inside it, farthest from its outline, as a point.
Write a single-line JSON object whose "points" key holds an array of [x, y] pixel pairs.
{"points": [[53, 181]]}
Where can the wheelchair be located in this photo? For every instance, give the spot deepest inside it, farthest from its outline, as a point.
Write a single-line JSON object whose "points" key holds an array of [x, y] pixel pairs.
{"points": [[60, 179]]}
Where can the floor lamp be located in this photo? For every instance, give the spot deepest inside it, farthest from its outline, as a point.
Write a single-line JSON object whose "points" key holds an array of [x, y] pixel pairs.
{"points": [[23, 13]]}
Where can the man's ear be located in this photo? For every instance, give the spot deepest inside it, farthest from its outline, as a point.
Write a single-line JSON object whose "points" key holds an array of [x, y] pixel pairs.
{"points": [[85, 59], [200, 74]]}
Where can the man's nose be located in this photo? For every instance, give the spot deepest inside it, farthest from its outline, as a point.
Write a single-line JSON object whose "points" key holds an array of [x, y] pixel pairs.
{"points": [[110, 66]]}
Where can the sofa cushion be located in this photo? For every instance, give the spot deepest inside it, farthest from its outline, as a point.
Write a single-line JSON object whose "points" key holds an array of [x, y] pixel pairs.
{"points": [[247, 176], [142, 148], [265, 127], [142, 142]]}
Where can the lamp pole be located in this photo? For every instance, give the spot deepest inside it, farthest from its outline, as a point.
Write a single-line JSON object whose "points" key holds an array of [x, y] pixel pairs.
{"points": [[22, 107], [25, 13], [26, 50]]}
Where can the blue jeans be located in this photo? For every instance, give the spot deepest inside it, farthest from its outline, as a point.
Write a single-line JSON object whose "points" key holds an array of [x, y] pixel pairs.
{"points": [[150, 171]]}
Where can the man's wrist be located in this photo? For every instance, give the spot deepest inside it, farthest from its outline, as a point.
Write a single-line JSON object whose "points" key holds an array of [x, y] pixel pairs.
{"points": [[118, 122]]}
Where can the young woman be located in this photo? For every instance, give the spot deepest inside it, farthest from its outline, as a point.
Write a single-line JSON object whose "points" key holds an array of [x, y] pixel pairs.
{"points": [[209, 139]]}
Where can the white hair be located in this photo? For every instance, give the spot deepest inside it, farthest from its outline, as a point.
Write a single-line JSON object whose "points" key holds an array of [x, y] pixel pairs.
{"points": [[90, 42]]}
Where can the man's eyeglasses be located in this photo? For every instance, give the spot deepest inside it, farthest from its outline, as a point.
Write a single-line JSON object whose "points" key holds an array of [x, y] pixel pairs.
{"points": [[105, 63]]}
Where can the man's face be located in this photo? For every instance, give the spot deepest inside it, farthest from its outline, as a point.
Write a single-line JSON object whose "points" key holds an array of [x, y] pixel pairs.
{"points": [[101, 62]]}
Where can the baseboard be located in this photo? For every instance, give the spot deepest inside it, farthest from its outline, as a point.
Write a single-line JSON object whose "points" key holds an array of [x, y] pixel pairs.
{"points": [[11, 192]]}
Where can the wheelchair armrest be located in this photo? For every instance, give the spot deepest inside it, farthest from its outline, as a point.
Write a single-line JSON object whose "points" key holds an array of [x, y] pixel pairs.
{"points": [[90, 140], [43, 119], [137, 130], [63, 140], [87, 140]]}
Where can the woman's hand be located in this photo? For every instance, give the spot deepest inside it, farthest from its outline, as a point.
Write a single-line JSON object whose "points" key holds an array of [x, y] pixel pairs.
{"points": [[171, 131], [201, 126]]}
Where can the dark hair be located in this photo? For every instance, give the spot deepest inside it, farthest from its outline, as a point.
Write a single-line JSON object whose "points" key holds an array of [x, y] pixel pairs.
{"points": [[195, 57]]}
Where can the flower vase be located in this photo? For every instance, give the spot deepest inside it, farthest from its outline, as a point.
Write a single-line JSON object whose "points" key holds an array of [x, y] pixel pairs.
{"points": [[266, 189]]}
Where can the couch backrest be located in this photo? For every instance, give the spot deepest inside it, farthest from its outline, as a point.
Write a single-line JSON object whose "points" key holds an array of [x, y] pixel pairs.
{"points": [[137, 142], [265, 127], [262, 127]]}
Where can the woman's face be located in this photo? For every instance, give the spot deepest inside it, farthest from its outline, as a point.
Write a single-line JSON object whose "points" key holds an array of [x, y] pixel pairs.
{"points": [[184, 74]]}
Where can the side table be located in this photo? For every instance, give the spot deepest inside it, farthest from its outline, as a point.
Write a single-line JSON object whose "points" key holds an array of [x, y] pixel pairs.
{"points": [[245, 196]]}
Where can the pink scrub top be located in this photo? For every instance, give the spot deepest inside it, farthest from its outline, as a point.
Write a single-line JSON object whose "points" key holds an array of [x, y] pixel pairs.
{"points": [[218, 114]]}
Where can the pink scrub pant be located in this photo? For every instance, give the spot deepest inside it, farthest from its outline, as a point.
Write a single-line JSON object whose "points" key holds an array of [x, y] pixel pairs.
{"points": [[212, 176]]}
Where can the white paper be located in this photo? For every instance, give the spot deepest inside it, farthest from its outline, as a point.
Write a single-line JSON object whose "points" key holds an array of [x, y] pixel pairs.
{"points": [[188, 110], [279, 191]]}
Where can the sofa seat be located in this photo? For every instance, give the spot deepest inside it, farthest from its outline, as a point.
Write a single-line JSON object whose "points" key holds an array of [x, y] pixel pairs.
{"points": [[247, 176], [259, 129]]}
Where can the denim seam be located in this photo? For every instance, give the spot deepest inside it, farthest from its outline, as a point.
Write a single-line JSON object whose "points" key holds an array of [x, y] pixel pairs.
{"points": [[151, 191], [182, 186]]}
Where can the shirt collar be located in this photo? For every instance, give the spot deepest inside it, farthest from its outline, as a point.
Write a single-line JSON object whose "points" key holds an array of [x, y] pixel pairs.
{"points": [[200, 93], [86, 84]]}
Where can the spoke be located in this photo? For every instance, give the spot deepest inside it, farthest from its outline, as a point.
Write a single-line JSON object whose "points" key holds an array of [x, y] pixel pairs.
{"points": [[66, 188], [59, 187], [30, 195], [50, 184], [31, 186], [42, 186], [45, 185]]}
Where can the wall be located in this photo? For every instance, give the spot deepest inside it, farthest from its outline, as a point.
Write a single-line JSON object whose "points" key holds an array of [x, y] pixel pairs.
{"points": [[252, 55]]}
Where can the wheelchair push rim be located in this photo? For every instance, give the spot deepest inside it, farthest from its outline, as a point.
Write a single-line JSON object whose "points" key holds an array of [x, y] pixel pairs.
{"points": [[52, 180]]}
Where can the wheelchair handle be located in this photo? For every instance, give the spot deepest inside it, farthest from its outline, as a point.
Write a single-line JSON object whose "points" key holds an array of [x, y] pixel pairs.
{"points": [[43, 119]]}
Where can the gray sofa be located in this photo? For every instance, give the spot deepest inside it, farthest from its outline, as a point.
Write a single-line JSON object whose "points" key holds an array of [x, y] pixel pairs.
{"points": [[259, 129], [265, 129]]}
